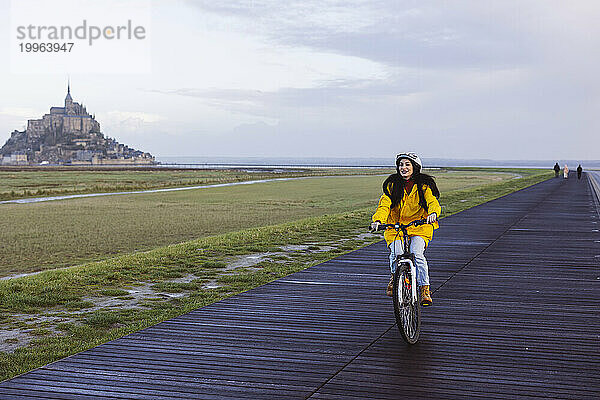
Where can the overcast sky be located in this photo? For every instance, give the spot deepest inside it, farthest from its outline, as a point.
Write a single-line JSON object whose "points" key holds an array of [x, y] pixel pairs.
{"points": [[454, 79]]}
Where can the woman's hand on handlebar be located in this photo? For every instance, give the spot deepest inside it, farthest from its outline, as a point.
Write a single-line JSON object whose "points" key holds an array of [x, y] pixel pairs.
{"points": [[374, 226], [431, 218]]}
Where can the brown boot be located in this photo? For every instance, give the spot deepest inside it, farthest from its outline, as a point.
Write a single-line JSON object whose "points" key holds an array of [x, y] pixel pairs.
{"points": [[390, 287], [426, 296]]}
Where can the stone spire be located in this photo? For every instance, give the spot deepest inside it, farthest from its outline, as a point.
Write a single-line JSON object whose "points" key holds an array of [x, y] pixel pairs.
{"points": [[68, 98]]}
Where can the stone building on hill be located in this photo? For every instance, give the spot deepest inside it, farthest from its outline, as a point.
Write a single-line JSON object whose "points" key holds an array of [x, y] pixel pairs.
{"points": [[68, 135]]}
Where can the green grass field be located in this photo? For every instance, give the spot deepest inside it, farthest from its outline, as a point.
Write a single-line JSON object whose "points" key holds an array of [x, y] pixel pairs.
{"points": [[56, 313], [54, 234], [21, 182]]}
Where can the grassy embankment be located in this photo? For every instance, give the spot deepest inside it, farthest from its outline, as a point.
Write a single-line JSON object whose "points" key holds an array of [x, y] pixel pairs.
{"points": [[23, 182], [68, 299]]}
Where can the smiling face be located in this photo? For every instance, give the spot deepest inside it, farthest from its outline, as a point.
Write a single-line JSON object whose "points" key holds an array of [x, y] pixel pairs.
{"points": [[406, 168]]}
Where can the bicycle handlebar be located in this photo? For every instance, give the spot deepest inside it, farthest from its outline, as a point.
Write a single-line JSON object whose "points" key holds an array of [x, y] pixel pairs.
{"points": [[383, 227]]}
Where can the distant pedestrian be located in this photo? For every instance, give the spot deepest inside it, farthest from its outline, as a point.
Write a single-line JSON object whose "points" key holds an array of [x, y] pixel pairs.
{"points": [[566, 171], [579, 170], [556, 170]]}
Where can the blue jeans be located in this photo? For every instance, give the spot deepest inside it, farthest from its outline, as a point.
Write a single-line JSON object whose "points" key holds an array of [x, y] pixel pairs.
{"points": [[417, 247]]}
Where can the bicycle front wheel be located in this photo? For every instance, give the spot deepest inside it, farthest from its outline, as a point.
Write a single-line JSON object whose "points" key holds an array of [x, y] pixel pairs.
{"points": [[407, 311]]}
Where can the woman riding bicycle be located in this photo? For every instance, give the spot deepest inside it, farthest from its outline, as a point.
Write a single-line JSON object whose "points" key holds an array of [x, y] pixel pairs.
{"points": [[409, 195]]}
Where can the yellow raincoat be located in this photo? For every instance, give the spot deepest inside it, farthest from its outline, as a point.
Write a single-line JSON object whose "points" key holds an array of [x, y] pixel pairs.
{"points": [[408, 210]]}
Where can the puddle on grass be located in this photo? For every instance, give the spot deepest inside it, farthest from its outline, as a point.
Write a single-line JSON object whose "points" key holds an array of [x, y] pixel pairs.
{"points": [[294, 247], [250, 260], [184, 279], [138, 294], [364, 236], [212, 284], [12, 339]]}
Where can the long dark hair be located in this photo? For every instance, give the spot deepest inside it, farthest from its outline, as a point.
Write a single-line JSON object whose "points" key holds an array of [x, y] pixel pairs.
{"points": [[393, 186]]}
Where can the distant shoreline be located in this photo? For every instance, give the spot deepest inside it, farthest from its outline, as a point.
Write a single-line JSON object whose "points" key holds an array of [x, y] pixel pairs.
{"points": [[252, 167], [281, 163], [359, 162]]}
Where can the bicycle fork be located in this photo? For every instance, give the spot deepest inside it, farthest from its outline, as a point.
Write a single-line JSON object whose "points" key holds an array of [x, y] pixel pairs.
{"points": [[413, 277]]}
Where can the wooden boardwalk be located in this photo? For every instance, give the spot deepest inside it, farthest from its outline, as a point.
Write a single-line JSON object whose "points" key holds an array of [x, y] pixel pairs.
{"points": [[516, 315]]}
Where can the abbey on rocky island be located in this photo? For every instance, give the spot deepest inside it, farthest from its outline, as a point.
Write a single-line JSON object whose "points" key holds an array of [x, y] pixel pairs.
{"points": [[68, 135]]}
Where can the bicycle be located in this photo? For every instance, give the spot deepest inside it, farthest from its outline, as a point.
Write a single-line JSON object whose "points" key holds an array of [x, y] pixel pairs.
{"points": [[407, 302]]}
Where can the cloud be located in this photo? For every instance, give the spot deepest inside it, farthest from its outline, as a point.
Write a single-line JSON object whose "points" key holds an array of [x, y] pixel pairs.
{"points": [[424, 34], [127, 123], [21, 112], [138, 116], [318, 100], [15, 118]]}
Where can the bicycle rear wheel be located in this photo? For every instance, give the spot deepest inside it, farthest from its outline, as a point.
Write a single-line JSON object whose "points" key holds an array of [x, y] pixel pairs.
{"points": [[407, 311]]}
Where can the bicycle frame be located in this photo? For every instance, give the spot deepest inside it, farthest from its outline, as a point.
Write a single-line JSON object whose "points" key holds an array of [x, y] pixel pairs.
{"points": [[408, 258]]}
